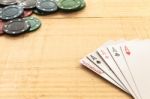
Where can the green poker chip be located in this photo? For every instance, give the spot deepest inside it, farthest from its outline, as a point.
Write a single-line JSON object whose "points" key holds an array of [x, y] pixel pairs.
{"points": [[83, 5], [34, 23], [69, 5]]}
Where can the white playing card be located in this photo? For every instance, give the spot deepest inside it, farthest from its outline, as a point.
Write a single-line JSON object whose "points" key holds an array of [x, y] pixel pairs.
{"points": [[118, 57], [105, 55], [89, 64], [137, 56], [99, 62]]}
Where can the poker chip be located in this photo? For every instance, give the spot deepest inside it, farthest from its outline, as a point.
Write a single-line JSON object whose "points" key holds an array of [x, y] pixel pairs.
{"points": [[40, 12], [16, 26], [1, 27], [7, 2], [69, 5], [46, 5], [1, 9], [83, 5], [34, 23], [15, 15], [11, 12], [27, 13], [27, 4]]}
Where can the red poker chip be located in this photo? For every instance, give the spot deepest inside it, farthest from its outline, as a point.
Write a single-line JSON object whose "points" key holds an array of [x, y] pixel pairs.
{"points": [[27, 13], [1, 27]]}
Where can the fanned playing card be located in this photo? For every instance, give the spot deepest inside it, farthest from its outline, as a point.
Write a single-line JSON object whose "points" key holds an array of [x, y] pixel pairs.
{"points": [[126, 64]]}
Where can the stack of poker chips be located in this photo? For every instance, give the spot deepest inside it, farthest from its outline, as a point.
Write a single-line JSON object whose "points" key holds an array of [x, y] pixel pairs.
{"points": [[15, 15]]}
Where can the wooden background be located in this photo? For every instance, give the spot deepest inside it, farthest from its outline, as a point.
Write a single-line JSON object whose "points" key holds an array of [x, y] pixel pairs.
{"points": [[45, 64]]}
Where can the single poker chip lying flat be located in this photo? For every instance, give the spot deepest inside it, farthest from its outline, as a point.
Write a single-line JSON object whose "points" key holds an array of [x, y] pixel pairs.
{"points": [[11, 12], [27, 4], [34, 23], [46, 5], [7, 2], [16, 27], [83, 5], [68, 5]]}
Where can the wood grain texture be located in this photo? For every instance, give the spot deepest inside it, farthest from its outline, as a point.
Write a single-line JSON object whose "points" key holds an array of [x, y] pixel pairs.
{"points": [[45, 64]]}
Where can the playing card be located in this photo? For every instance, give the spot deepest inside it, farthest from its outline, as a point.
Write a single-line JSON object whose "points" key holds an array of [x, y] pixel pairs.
{"points": [[105, 55], [95, 59], [118, 57], [89, 64], [124, 64], [137, 56]]}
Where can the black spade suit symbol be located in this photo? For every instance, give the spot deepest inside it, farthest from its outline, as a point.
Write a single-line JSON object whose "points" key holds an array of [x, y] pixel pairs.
{"points": [[98, 62], [117, 54]]}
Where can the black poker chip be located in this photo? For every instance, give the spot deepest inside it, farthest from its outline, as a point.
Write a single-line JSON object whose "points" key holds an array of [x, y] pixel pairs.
{"points": [[41, 13], [7, 2], [47, 5], [1, 9], [16, 27], [27, 4], [11, 12]]}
